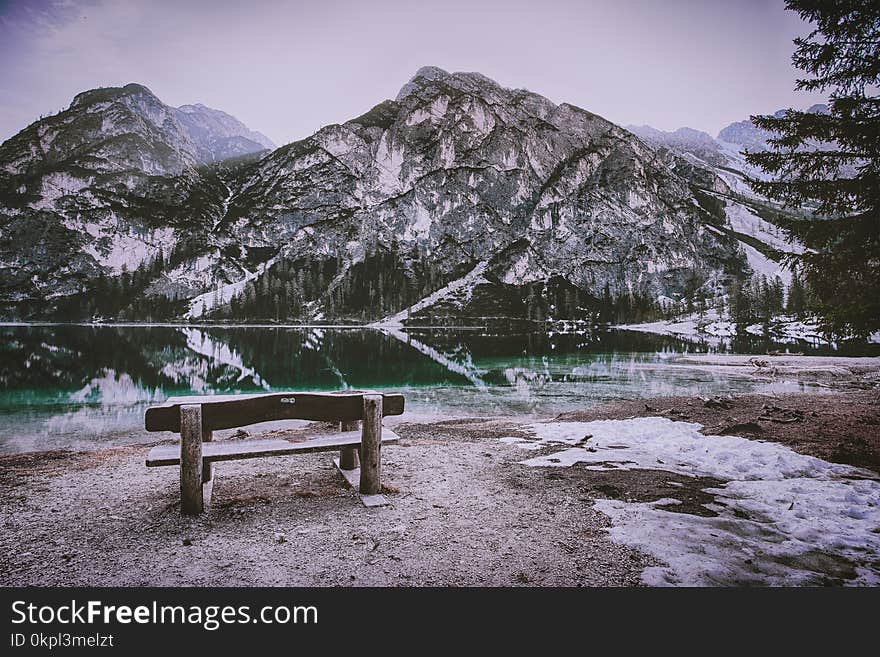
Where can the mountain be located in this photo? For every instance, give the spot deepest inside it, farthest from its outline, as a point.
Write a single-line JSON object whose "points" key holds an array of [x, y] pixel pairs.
{"points": [[749, 136], [685, 140], [746, 134], [104, 185], [456, 201], [218, 135], [723, 151], [724, 156]]}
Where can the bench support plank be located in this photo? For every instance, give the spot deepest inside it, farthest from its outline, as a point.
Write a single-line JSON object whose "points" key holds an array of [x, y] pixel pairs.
{"points": [[353, 477], [234, 450]]}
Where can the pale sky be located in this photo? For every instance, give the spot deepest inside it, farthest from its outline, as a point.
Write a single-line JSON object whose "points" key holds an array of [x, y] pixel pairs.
{"points": [[288, 67]]}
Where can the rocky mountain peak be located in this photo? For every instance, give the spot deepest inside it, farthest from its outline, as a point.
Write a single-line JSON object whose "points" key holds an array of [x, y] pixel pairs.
{"points": [[460, 198], [429, 77], [423, 76], [109, 94]]}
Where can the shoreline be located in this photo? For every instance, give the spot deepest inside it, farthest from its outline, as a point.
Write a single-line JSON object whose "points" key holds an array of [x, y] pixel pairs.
{"points": [[684, 330], [722, 373], [464, 509]]}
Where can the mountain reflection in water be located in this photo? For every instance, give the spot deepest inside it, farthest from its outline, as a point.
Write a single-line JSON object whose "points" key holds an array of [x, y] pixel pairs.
{"points": [[75, 386]]}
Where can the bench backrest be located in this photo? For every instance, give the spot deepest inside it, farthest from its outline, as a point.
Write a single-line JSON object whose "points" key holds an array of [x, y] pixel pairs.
{"points": [[231, 411]]}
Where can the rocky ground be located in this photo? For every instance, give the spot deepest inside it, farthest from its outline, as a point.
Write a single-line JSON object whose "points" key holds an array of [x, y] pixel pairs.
{"points": [[464, 511]]}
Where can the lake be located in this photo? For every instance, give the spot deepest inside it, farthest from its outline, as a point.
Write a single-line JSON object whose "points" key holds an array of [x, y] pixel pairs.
{"points": [[85, 386]]}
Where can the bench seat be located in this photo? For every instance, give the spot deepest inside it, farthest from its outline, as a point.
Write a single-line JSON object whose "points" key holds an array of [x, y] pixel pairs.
{"points": [[232, 450]]}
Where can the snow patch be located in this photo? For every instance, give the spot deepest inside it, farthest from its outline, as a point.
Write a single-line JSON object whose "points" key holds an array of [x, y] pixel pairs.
{"points": [[523, 271], [223, 294], [420, 227], [126, 250], [783, 518], [389, 162], [464, 284], [743, 220], [764, 266], [55, 186]]}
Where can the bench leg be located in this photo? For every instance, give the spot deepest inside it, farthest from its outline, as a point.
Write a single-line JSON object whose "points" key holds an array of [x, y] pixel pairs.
{"points": [[371, 444], [348, 456], [191, 470], [209, 472]]}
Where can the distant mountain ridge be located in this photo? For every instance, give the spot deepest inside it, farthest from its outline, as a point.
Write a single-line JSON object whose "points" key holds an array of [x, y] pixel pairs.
{"points": [[748, 135], [218, 135], [717, 151]]}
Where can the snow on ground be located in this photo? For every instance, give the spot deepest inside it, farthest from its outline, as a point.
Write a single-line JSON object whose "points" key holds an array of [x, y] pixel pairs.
{"points": [[783, 518], [736, 182], [744, 221], [464, 284], [522, 443], [223, 294], [736, 161], [764, 266]]}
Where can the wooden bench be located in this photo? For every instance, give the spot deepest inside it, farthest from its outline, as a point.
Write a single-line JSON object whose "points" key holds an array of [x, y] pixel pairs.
{"points": [[196, 418]]}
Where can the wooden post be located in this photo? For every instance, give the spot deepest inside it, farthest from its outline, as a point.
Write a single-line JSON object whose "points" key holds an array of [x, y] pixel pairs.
{"points": [[191, 502], [371, 444], [348, 456]]}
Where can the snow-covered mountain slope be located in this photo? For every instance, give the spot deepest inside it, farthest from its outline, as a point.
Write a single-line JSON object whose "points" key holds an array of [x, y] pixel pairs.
{"points": [[461, 170], [554, 205], [763, 243], [106, 185]]}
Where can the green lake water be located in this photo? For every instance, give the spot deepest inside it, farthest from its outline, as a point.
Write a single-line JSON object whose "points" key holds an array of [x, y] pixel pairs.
{"points": [[81, 387]]}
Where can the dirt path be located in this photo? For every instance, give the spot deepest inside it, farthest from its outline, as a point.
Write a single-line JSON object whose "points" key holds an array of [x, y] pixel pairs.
{"points": [[464, 510]]}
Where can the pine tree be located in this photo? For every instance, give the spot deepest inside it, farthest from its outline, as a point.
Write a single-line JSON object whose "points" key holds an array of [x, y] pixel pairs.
{"points": [[606, 312], [777, 296], [741, 308], [831, 163], [796, 302]]}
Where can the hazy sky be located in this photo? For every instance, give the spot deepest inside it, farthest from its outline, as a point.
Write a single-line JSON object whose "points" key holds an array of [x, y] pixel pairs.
{"points": [[287, 67]]}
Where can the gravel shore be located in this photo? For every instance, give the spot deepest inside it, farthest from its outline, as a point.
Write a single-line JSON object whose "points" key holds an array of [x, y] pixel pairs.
{"points": [[463, 512]]}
